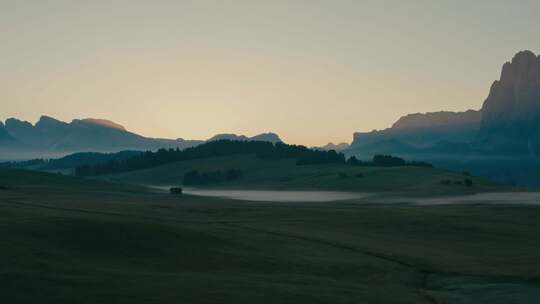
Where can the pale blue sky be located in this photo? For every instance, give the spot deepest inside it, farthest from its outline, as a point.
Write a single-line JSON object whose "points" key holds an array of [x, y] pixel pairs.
{"points": [[312, 71]]}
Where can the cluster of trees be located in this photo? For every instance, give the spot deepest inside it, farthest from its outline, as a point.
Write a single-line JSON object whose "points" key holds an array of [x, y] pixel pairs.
{"points": [[265, 150], [70, 161], [196, 178], [37, 163], [386, 161], [262, 149]]}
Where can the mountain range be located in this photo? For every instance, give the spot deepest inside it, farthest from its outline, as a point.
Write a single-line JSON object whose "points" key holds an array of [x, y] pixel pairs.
{"points": [[336, 147], [500, 141], [50, 137], [507, 124], [419, 132]]}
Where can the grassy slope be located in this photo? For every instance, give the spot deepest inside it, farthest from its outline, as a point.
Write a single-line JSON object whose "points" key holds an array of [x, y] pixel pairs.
{"points": [[284, 174], [15, 179], [111, 244]]}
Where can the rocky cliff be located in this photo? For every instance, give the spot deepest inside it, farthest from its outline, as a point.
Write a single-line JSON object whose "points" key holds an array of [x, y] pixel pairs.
{"points": [[511, 113]]}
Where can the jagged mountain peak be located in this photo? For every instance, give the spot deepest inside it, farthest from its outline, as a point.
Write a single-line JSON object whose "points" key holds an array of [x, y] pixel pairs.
{"points": [[511, 112], [50, 135], [48, 121], [524, 68], [17, 122], [336, 147], [516, 95]]}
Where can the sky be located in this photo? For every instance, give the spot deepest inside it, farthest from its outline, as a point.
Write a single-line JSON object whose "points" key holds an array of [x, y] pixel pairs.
{"points": [[312, 71]]}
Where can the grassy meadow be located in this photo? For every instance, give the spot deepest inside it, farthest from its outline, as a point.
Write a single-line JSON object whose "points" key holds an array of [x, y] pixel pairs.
{"points": [[284, 174], [72, 240]]}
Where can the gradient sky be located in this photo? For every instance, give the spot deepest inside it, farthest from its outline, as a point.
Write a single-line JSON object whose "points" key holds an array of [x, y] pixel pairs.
{"points": [[312, 71]]}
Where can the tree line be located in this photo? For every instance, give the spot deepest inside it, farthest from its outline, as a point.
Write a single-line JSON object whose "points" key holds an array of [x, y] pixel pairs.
{"points": [[263, 150]]}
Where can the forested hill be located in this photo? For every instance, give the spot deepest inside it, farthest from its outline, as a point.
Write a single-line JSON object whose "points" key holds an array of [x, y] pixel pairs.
{"points": [[264, 150]]}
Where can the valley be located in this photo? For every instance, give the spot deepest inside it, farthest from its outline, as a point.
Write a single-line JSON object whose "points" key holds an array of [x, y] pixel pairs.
{"points": [[77, 240]]}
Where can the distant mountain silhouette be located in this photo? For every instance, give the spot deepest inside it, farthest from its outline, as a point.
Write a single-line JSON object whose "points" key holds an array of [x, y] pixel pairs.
{"points": [[21, 129], [270, 137], [103, 123], [507, 124], [332, 146], [50, 134], [501, 141], [442, 119], [419, 132], [4, 135], [50, 138], [228, 136], [511, 113]]}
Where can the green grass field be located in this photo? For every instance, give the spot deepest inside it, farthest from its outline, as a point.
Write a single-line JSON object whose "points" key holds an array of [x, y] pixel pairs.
{"points": [[70, 240], [285, 175]]}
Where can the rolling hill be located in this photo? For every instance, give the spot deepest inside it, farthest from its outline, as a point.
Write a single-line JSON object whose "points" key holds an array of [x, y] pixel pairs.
{"points": [[284, 174]]}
